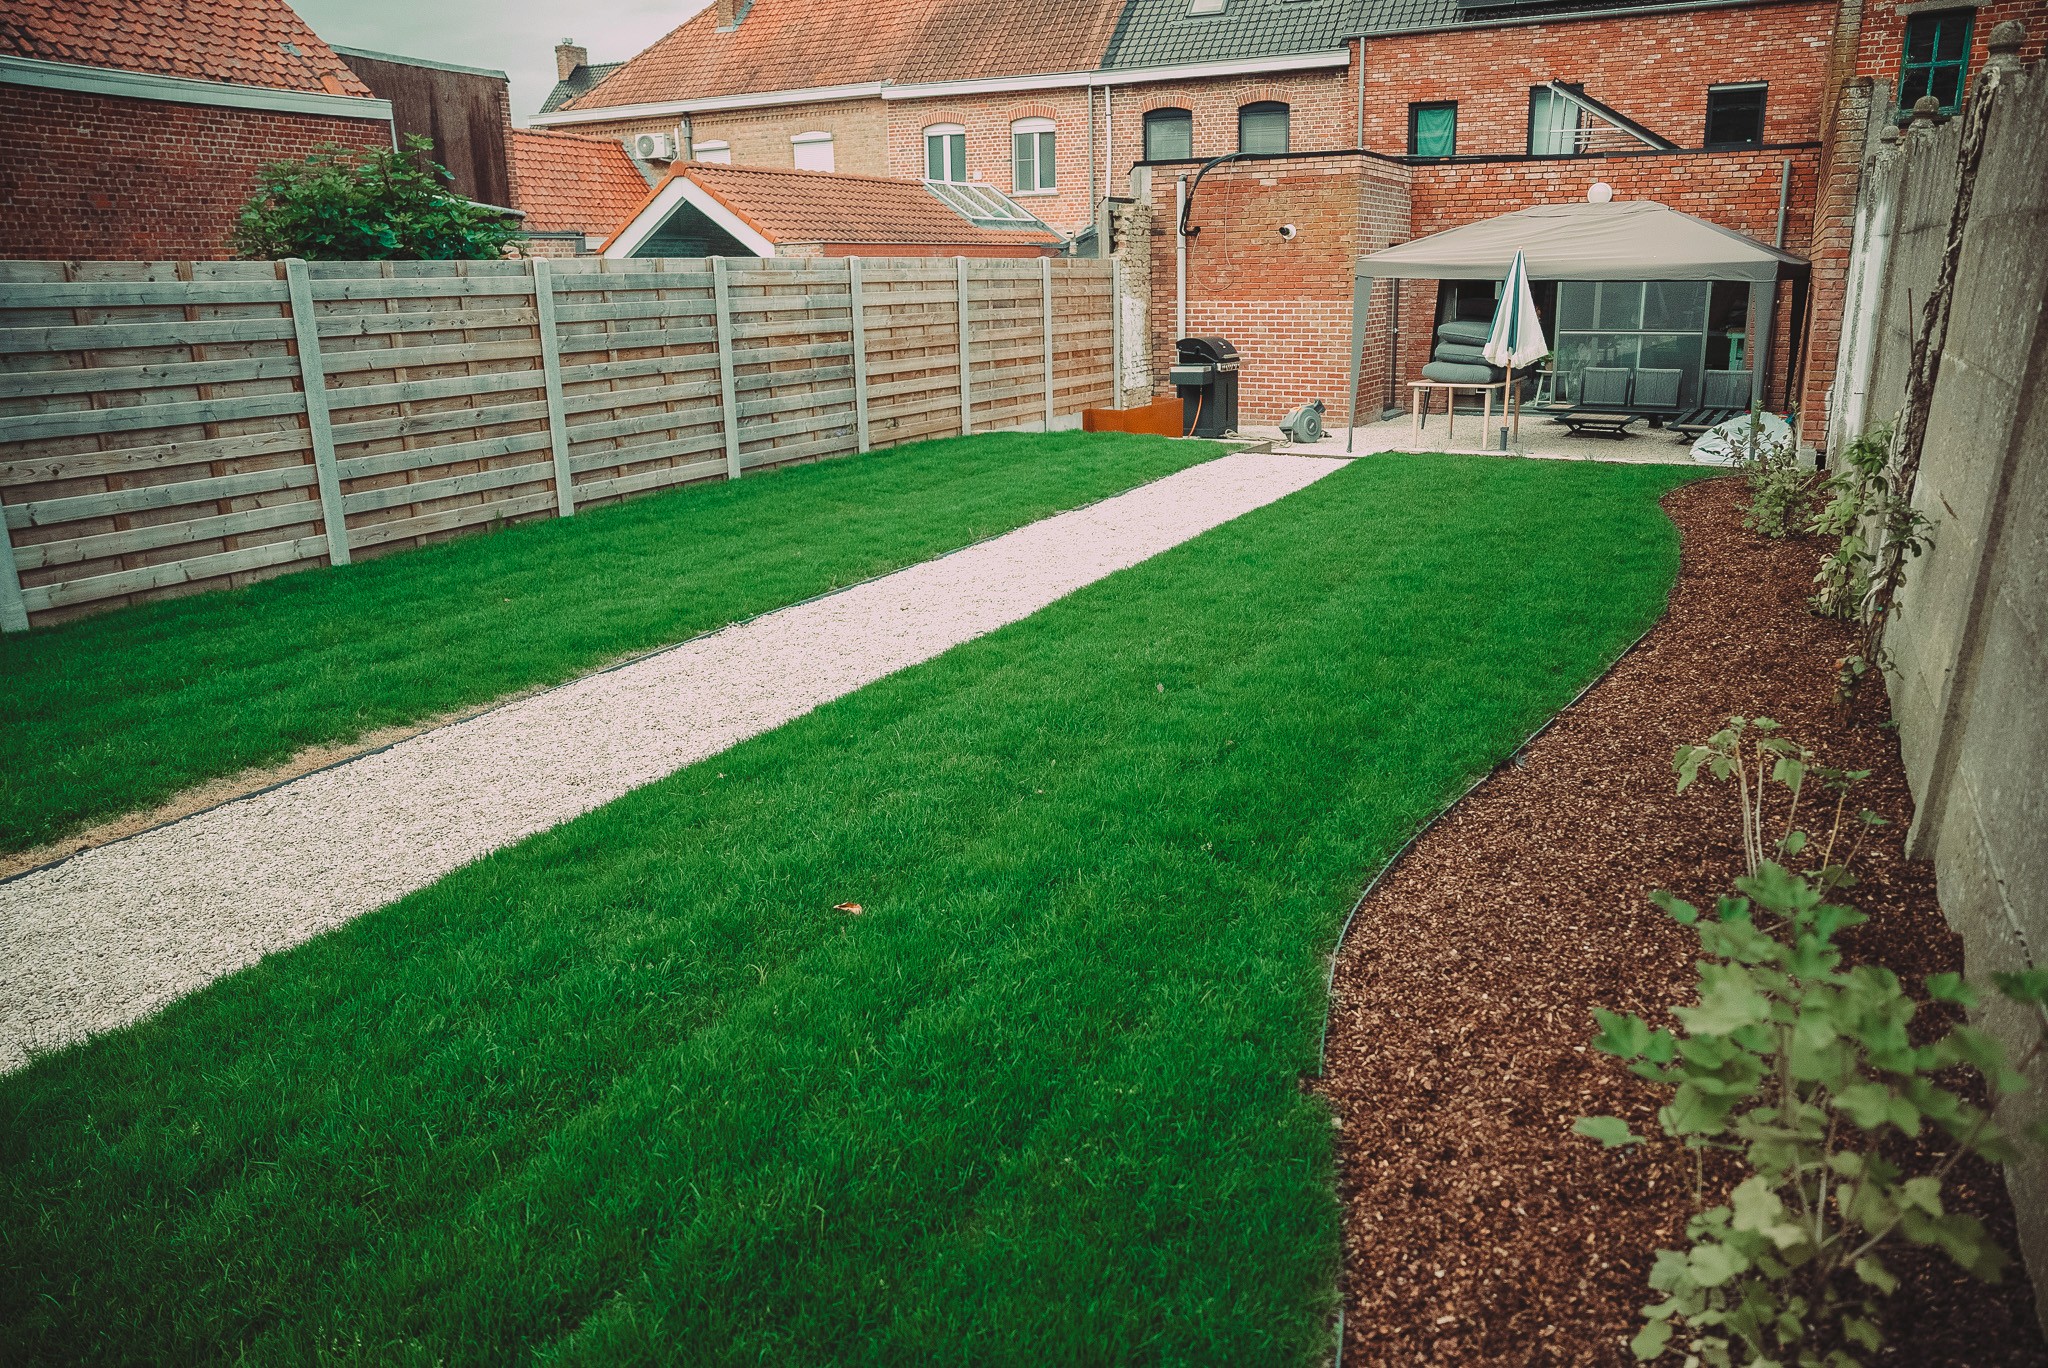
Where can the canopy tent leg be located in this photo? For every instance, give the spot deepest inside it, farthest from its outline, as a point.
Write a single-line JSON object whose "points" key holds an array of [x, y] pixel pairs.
{"points": [[1361, 304]]}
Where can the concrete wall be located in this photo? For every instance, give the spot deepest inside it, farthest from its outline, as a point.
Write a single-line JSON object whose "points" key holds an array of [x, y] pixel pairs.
{"points": [[1969, 647]]}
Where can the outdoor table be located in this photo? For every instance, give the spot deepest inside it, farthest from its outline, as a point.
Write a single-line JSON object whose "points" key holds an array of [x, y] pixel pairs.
{"points": [[1419, 401]]}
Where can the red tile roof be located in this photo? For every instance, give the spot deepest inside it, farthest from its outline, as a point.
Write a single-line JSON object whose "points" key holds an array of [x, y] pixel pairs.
{"points": [[571, 184], [245, 42], [801, 44], [828, 207]]}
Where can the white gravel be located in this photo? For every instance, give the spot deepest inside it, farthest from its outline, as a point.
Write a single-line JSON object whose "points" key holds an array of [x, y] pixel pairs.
{"points": [[115, 933]]}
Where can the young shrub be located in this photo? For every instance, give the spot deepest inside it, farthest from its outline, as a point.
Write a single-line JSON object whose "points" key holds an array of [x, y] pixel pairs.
{"points": [[1804, 1069], [1780, 493], [346, 205]]}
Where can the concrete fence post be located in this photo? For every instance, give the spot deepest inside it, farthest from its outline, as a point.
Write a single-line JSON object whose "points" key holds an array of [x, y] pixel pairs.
{"points": [[860, 353], [1045, 295], [729, 408], [966, 365], [551, 373], [13, 614], [319, 423], [1116, 333]]}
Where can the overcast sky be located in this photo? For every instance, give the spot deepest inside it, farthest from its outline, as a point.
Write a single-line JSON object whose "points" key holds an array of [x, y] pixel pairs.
{"points": [[516, 37]]}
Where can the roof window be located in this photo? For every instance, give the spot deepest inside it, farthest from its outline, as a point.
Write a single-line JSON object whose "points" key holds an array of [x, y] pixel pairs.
{"points": [[1206, 6]]}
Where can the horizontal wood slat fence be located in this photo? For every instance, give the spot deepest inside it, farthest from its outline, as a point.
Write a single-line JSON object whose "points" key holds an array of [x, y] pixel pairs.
{"points": [[168, 427]]}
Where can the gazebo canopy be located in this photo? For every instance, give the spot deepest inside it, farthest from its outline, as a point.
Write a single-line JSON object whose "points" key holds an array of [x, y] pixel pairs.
{"points": [[1627, 240]]}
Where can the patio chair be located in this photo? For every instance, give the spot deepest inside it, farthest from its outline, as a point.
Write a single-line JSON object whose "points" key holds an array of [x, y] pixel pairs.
{"points": [[1656, 393], [1603, 405], [1723, 395]]}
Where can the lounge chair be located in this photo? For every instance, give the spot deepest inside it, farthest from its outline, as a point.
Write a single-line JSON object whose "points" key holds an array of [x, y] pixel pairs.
{"points": [[1603, 405], [1723, 395]]}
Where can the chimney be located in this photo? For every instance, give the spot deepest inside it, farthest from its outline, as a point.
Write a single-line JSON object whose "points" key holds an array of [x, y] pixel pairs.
{"points": [[568, 57], [730, 12]]}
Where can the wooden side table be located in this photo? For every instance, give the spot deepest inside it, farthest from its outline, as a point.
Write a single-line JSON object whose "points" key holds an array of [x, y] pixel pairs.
{"points": [[1419, 401]]}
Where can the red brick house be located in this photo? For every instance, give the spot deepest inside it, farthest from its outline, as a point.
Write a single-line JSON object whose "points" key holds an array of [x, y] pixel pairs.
{"points": [[134, 129]]}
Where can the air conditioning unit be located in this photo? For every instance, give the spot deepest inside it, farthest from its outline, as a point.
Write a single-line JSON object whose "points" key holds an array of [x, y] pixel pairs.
{"points": [[653, 147]]}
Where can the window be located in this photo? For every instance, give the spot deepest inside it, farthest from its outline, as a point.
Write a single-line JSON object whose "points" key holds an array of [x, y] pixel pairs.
{"points": [[1206, 6], [1262, 127], [1433, 129], [1735, 115], [945, 153], [813, 151], [1169, 135], [1031, 157], [1937, 58], [1553, 124], [719, 152]]}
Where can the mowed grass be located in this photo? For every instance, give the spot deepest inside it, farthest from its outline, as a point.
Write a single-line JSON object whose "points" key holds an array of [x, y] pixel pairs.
{"points": [[633, 1091], [120, 712]]}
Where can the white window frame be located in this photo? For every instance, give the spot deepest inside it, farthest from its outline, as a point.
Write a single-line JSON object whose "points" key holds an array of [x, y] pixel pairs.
{"points": [[952, 152], [817, 146], [1040, 163], [1197, 8], [1563, 134], [717, 152]]}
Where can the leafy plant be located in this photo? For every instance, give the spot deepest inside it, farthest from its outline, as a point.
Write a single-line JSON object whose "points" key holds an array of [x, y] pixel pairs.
{"points": [[1780, 493], [1870, 513], [1805, 1069], [345, 204]]}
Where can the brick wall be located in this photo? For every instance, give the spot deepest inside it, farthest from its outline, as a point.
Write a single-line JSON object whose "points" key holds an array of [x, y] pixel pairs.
{"points": [[1285, 304], [761, 137], [987, 119], [94, 177], [1883, 36], [1653, 68]]}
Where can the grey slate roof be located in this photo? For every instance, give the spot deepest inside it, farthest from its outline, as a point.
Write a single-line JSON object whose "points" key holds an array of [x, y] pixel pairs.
{"points": [[580, 80], [1162, 33]]}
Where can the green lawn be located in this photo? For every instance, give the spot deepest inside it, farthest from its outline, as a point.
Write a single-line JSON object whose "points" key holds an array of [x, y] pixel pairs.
{"points": [[120, 712], [633, 1091]]}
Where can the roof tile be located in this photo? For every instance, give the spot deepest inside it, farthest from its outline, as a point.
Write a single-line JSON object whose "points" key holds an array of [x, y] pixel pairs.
{"points": [[826, 206], [571, 184], [244, 42]]}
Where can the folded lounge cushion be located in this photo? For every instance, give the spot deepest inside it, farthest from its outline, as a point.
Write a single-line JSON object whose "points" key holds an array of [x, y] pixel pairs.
{"points": [[1461, 373], [1471, 331], [1462, 352]]}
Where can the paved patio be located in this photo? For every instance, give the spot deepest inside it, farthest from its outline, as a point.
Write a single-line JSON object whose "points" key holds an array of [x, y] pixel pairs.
{"points": [[1540, 438]]}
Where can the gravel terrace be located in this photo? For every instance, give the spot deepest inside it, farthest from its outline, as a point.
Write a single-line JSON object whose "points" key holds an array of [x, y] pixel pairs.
{"points": [[112, 934], [1478, 1228]]}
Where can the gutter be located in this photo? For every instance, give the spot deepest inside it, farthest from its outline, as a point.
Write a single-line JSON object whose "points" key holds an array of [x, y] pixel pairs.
{"points": [[887, 90], [142, 85], [1572, 17]]}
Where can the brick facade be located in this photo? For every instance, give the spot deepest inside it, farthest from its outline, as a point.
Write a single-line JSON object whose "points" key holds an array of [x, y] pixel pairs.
{"points": [[1654, 68], [96, 177]]}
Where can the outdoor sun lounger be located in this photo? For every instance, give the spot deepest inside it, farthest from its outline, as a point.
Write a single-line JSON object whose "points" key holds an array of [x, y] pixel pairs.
{"points": [[1723, 395], [1603, 402]]}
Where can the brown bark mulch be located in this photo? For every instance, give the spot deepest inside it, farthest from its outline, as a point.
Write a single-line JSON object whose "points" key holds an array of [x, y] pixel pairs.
{"points": [[1478, 1228]]}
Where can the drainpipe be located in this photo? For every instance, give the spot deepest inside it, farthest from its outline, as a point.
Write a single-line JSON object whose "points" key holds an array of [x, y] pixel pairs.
{"points": [[1360, 143], [1091, 149], [1108, 141], [1180, 256]]}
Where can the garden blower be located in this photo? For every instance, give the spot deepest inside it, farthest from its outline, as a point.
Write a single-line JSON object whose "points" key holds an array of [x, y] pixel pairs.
{"points": [[1305, 425]]}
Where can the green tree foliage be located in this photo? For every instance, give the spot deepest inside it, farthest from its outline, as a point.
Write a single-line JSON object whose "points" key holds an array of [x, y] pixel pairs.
{"points": [[345, 204], [1804, 1069]]}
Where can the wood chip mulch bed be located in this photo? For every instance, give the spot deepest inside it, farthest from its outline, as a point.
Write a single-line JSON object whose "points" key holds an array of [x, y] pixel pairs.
{"points": [[1478, 1228]]}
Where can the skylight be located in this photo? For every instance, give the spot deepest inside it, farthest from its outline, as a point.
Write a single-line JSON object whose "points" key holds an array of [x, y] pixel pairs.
{"points": [[981, 204]]}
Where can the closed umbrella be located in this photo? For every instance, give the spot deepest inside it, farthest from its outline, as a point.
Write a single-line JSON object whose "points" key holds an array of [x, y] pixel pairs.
{"points": [[1517, 337]]}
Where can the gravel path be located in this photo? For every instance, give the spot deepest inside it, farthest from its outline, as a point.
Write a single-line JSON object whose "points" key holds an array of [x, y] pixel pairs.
{"points": [[113, 934]]}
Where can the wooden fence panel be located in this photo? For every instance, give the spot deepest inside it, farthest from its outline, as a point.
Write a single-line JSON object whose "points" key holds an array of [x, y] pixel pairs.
{"points": [[156, 439]]}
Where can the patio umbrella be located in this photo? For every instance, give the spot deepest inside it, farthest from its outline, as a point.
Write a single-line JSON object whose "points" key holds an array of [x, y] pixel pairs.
{"points": [[1517, 337]]}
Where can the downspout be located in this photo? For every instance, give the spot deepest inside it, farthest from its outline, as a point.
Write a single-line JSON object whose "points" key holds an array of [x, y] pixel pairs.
{"points": [[1180, 256], [1091, 159], [1359, 143], [1108, 141]]}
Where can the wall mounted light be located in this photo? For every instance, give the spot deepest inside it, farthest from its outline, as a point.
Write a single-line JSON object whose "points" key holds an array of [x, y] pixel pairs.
{"points": [[1288, 232]]}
